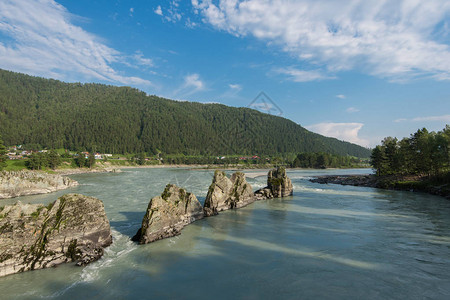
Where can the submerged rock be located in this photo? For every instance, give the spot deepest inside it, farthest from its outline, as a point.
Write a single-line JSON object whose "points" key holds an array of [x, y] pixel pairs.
{"points": [[73, 228], [227, 193], [278, 185], [167, 214], [24, 182]]}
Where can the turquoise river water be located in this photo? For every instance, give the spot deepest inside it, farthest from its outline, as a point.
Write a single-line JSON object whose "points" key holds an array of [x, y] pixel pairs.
{"points": [[324, 242]]}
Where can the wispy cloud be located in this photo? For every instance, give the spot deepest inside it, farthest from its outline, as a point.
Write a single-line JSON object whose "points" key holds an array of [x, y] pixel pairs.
{"points": [[340, 96], [352, 110], [391, 39], [400, 120], [193, 80], [192, 84], [443, 118], [172, 12], [303, 75], [235, 87], [44, 42], [131, 11], [141, 60], [343, 131], [158, 10]]}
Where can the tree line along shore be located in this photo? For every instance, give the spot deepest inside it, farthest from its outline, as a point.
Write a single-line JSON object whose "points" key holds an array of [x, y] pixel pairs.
{"points": [[419, 163]]}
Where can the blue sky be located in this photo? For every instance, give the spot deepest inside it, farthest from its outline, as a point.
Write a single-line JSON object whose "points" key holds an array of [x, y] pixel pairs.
{"points": [[357, 70]]}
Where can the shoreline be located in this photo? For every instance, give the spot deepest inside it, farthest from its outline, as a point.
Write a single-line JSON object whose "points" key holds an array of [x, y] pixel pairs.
{"points": [[397, 183], [23, 183]]}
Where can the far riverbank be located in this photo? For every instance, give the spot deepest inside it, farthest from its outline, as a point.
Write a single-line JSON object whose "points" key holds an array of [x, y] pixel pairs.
{"points": [[431, 185]]}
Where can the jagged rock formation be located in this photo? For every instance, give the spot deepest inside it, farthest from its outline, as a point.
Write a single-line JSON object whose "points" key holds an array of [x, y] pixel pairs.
{"points": [[227, 193], [167, 214], [73, 228], [20, 183], [278, 185]]}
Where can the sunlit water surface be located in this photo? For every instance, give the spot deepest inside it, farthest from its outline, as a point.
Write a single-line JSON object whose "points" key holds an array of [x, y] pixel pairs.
{"points": [[325, 242]]}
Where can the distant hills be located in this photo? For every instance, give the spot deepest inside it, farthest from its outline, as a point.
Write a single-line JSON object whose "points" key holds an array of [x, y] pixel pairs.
{"points": [[52, 114]]}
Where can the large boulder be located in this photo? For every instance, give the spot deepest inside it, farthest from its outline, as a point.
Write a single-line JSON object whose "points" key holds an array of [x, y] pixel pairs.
{"points": [[167, 214], [278, 185], [227, 193], [74, 228], [24, 182]]}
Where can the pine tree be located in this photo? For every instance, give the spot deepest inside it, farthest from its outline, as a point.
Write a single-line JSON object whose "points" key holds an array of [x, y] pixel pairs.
{"points": [[80, 160], [90, 162], [53, 159], [378, 160], [3, 156]]}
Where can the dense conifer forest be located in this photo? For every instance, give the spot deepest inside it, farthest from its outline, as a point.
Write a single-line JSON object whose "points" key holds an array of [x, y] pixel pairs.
{"points": [[46, 113], [424, 153]]}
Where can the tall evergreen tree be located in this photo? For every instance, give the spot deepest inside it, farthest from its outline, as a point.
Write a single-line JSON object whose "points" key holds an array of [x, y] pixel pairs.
{"points": [[3, 156], [378, 160], [53, 159], [90, 162], [80, 160]]}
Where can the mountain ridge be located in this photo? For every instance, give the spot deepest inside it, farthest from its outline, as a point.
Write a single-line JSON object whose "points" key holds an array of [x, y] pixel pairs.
{"points": [[54, 114]]}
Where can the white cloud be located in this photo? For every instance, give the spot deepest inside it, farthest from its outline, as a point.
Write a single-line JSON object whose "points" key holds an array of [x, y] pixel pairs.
{"points": [[131, 11], [302, 75], [141, 60], [158, 10], [193, 80], [44, 42], [397, 40], [172, 12], [443, 118], [342, 131], [236, 87], [192, 84], [340, 96], [352, 110], [400, 120]]}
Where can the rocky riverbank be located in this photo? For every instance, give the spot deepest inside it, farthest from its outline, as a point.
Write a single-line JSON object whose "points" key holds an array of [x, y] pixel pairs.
{"points": [[402, 183], [74, 228], [24, 182]]}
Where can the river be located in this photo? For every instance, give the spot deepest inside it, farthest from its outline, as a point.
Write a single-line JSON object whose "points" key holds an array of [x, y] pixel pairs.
{"points": [[324, 242]]}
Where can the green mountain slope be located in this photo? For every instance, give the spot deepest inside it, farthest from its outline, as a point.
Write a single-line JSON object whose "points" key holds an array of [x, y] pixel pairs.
{"points": [[98, 117]]}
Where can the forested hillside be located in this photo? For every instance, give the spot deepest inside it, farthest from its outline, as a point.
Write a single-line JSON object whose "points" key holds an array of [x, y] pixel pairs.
{"points": [[95, 117]]}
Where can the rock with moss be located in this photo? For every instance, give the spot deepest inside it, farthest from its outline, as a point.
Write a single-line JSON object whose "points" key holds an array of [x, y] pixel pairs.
{"points": [[167, 214], [278, 185], [25, 182], [227, 193], [74, 228]]}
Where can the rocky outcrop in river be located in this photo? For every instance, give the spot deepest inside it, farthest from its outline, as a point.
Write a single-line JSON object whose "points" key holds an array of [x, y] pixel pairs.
{"points": [[278, 185], [167, 214], [20, 183], [227, 193], [74, 228]]}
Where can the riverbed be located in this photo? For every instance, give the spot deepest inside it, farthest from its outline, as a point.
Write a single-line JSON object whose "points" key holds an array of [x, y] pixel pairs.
{"points": [[324, 242]]}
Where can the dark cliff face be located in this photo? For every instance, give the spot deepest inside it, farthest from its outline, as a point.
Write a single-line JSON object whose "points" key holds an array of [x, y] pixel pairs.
{"points": [[74, 228], [227, 193], [167, 214]]}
